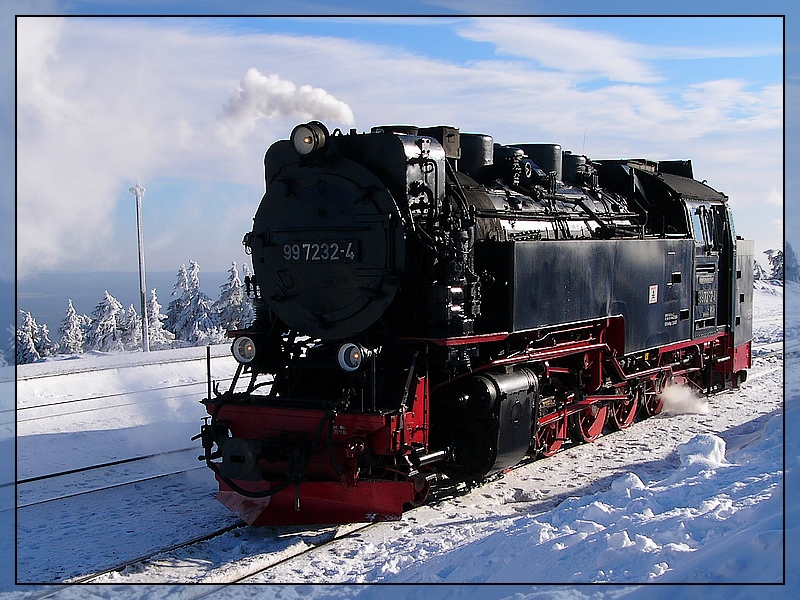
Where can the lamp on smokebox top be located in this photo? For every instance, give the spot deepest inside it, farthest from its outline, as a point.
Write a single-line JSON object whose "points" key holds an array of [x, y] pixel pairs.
{"points": [[309, 138]]}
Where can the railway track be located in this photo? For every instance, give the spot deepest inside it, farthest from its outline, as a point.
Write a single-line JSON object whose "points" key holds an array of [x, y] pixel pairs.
{"points": [[201, 591], [316, 542], [119, 515], [119, 394], [280, 558], [97, 577], [342, 533], [156, 398], [84, 479], [219, 351]]}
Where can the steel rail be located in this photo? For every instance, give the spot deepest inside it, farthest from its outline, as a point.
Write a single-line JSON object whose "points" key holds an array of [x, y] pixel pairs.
{"points": [[102, 465], [111, 487]]}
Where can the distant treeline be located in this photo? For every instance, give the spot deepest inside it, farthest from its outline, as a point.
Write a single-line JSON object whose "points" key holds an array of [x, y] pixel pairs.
{"points": [[192, 319]]}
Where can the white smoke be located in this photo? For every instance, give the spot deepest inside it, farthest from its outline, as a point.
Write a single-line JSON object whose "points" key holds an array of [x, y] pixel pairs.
{"points": [[681, 399], [265, 96]]}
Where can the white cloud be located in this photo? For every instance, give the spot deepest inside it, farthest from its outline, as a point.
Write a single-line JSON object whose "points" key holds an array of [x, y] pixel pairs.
{"points": [[696, 52], [102, 101], [568, 50], [728, 102], [775, 197], [76, 143]]}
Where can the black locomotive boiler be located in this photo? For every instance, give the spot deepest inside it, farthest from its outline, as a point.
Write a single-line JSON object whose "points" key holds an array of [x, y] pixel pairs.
{"points": [[433, 306]]}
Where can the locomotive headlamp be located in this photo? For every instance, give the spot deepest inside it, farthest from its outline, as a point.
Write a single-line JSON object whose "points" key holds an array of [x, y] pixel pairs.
{"points": [[309, 137], [244, 349], [351, 356]]}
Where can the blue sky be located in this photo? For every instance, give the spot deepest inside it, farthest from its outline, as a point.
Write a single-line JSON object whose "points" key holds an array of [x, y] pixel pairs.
{"points": [[103, 101]]}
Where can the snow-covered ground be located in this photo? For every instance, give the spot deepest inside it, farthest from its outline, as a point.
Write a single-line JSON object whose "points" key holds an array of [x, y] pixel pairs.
{"points": [[690, 497]]}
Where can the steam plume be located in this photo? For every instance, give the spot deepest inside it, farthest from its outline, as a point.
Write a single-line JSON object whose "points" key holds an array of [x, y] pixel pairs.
{"points": [[265, 96], [681, 399]]}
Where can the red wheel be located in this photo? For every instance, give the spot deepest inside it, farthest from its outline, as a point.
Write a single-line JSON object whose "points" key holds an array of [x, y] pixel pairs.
{"points": [[587, 425], [623, 411], [550, 437], [652, 401], [422, 488]]}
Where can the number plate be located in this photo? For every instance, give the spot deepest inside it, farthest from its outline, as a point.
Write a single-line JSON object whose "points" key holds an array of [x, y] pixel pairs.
{"points": [[342, 251]]}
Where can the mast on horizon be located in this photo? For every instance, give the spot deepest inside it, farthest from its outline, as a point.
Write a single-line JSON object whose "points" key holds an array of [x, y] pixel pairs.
{"points": [[139, 191]]}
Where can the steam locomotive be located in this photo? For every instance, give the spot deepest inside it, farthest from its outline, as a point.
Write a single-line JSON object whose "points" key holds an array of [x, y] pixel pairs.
{"points": [[432, 307]]}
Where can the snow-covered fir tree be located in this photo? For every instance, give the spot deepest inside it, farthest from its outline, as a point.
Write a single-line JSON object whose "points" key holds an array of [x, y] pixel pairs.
{"points": [[191, 316], [105, 332], [86, 324], [775, 258], [4, 355], [72, 332], [159, 338], [40, 335], [759, 273], [180, 291], [10, 351], [26, 351], [233, 307], [790, 266], [132, 330], [44, 345]]}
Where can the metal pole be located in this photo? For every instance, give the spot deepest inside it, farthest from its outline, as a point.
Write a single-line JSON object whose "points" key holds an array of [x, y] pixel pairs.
{"points": [[208, 369], [139, 191]]}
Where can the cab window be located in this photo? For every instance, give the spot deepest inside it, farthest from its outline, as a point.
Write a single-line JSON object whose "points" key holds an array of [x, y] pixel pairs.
{"points": [[698, 225]]}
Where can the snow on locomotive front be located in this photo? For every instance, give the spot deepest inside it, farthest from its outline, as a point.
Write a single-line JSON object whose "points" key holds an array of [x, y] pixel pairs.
{"points": [[431, 305]]}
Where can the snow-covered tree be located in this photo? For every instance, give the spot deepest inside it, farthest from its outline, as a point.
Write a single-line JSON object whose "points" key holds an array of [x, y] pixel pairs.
{"points": [[791, 268], [44, 345], [203, 327], [26, 351], [32, 340], [191, 316], [759, 273], [11, 350], [105, 332], [132, 330], [233, 307], [40, 335], [3, 360], [180, 291], [25, 348], [159, 338], [775, 258], [72, 332], [86, 324]]}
